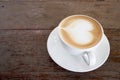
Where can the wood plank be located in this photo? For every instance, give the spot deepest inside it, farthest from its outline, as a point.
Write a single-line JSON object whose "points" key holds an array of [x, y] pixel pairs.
{"points": [[59, 0], [47, 14], [23, 55]]}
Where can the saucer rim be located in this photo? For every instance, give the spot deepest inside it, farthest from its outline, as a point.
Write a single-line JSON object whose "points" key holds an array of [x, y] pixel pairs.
{"points": [[108, 43]]}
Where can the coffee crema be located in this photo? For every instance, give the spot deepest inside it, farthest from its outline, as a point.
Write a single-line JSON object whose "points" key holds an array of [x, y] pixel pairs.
{"points": [[80, 31]]}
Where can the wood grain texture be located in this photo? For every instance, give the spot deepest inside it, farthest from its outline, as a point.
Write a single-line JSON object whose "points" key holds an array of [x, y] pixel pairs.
{"points": [[24, 53], [26, 24], [48, 14]]}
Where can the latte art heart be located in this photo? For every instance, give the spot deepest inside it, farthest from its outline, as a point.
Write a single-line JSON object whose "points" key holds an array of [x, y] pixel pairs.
{"points": [[80, 31], [80, 35]]}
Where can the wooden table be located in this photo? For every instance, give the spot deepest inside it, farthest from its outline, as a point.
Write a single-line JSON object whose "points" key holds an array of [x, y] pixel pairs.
{"points": [[24, 29]]}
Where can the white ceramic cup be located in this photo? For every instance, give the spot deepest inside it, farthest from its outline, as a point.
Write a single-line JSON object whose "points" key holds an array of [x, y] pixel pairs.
{"points": [[87, 54]]}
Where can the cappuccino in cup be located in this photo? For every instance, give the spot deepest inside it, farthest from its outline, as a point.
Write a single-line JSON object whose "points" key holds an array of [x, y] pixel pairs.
{"points": [[80, 31]]}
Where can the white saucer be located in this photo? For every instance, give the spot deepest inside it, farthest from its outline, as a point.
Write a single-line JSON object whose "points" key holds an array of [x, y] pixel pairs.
{"points": [[61, 56]]}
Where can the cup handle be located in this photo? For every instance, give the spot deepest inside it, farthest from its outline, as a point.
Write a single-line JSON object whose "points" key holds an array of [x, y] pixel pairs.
{"points": [[89, 58]]}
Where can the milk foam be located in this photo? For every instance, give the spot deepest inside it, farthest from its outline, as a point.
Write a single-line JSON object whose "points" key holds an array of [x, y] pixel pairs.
{"points": [[79, 31]]}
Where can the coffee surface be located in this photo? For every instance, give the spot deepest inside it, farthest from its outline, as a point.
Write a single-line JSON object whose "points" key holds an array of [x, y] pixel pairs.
{"points": [[80, 31]]}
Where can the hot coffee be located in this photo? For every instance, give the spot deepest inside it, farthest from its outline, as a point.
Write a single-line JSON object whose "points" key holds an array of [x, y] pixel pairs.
{"points": [[80, 31]]}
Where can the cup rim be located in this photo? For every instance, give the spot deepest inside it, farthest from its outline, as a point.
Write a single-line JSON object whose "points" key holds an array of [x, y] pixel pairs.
{"points": [[76, 47]]}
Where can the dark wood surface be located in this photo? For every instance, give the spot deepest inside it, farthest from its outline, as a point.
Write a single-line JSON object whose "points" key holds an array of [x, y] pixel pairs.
{"points": [[24, 29]]}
